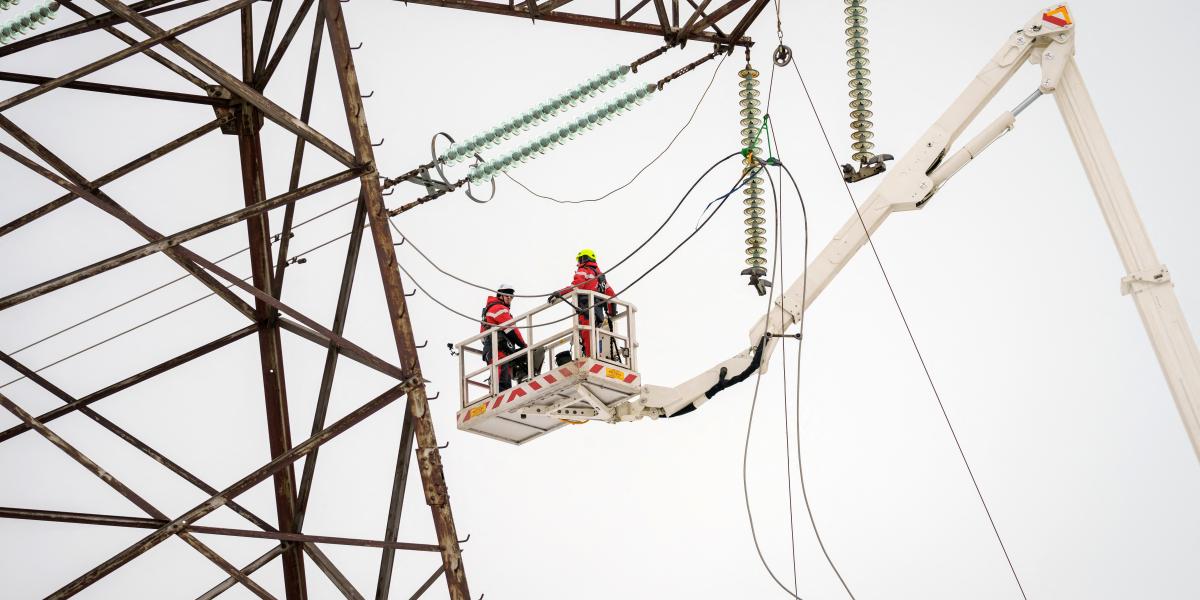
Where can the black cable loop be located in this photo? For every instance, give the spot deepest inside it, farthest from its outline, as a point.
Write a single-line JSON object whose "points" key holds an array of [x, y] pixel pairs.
{"points": [[611, 269], [741, 182]]}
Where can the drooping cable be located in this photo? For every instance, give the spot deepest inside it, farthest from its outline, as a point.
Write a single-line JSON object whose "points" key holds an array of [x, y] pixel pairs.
{"points": [[799, 353], [741, 182], [912, 338], [749, 429], [644, 167], [637, 249]]}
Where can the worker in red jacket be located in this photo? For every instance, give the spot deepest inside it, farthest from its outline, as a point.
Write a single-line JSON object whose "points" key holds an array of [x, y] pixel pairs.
{"points": [[589, 277], [508, 340]]}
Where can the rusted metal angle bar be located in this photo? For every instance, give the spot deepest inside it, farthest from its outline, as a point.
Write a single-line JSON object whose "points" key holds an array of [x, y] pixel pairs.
{"points": [[254, 565], [577, 19], [129, 494], [180, 256], [547, 6], [279, 437], [156, 57], [113, 175], [689, 26], [331, 356], [144, 448], [122, 90], [241, 486], [163, 243], [330, 336], [748, 18], [428, 583], [436, 495], [318, 556], [404, 457], [153, 40], [271, 110], [145, 523], [633, 11], [336, 577], [73, 29], [718, 14], [267, 38], [132, 380], [261, 79], [289, 211], [663, 20], [366, 359], [715, 29]]}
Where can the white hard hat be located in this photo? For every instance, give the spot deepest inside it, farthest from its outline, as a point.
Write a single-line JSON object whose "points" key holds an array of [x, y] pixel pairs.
{"points": [[505, 289]]}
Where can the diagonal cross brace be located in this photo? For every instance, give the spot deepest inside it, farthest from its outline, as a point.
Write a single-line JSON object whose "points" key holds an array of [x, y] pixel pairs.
{"points": [[236, 86]]}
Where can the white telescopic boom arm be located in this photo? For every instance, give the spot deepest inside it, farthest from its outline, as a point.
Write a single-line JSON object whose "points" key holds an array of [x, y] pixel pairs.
{"points": [[1047, 39]]}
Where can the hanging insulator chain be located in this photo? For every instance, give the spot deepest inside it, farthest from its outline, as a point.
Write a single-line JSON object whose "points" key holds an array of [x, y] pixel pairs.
{"points": [[860, 83], [26, 22], [623, 103], [857, 53], [752, 129]]}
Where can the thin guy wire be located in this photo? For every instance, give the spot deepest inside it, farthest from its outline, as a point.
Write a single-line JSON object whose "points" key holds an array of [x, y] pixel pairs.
{"points": [[913, 339], [783, 347], [160, 287], [644, 167], [163, 315]]}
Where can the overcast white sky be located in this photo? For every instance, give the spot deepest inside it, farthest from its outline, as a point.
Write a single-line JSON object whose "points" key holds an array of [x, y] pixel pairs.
{"points": [[1008, 277]]}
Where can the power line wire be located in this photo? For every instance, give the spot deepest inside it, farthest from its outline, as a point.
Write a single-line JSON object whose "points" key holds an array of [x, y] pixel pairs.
{"points": [[159, 287], [741, 182], [912, 338], [165, 314], [406, 240]]}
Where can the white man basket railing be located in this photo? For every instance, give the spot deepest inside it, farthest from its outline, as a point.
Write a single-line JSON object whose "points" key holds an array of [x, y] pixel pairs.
{"points": [[554, 381]]}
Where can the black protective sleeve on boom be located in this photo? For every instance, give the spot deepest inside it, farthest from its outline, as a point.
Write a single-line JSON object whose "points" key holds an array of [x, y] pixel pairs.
{"points": [[723, 383]]}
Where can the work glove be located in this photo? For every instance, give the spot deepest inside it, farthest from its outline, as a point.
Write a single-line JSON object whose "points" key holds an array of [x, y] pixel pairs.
{"points": [[555, 297]]}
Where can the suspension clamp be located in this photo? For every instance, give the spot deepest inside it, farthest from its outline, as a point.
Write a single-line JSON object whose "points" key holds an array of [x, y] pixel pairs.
{"points": [[868, 167]]}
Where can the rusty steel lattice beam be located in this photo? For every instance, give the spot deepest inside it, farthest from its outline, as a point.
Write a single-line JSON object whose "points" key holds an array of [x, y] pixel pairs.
{"points": [[666, 27], [242, 108], [417, 411]]}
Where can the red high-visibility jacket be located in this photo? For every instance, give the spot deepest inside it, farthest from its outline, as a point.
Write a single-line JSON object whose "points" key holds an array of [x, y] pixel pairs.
{"points": [[588, 276], [496, 313]]}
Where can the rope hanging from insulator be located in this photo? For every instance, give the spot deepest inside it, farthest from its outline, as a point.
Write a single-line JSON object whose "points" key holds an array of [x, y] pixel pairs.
{"points": [[860, 83], [752, 128], [26, 22]]}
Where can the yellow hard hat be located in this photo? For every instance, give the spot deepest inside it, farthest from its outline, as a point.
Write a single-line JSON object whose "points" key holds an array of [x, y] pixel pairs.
{"points": [[588, 252]]}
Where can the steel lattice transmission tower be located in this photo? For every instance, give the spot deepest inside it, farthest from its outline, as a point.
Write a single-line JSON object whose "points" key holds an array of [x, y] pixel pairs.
{"points": [[240, 107]]}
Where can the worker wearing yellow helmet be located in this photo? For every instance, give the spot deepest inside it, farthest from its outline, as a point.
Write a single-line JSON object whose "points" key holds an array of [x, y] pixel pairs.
{"points": [[588, 278]]}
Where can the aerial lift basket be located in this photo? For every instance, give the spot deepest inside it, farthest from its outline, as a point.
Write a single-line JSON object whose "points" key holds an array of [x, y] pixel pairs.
{"points": [[556, 381]]}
